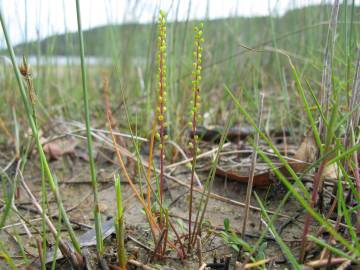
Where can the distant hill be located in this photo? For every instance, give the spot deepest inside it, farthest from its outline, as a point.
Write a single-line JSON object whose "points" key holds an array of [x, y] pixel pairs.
{"points": [[100, 41]]}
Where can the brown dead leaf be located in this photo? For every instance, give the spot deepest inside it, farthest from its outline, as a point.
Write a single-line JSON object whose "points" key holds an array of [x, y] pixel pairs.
{"points": [[55, 149], [260, 179], [103, 207], [308, 152], [305, 154], [331, 172]]}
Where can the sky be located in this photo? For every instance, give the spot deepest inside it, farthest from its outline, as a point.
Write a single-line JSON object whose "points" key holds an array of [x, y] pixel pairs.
{"points": [[30, 19]]}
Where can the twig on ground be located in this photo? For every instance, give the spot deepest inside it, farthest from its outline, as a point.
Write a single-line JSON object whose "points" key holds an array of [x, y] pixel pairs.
{"points": [[252, 170], [139, 264], [203, 266], [199, 250], [326, 262]]}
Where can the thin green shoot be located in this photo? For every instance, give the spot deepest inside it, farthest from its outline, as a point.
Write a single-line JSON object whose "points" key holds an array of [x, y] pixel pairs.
{"points": [[345, 210], [270, 226], [307, 107], [5, 255], [333, 249], [119, 225], [56, 244], [97, 215]]}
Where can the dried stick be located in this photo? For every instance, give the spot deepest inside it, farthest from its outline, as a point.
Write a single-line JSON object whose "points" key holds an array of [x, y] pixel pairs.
{"points": [[141, 265], [252, 170]]}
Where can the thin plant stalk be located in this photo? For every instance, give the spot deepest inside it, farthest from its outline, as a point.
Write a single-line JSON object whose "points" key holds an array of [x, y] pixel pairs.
{"points": [[161, 108], [151, 159], [317, 179], [119, 225], [326, 80], [252, 171], [43, 220], [198, 40], [97, 215], [57, 242]]}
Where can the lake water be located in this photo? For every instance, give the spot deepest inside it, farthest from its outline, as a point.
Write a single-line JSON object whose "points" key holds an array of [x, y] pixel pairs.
{"points": [[58, 60], [61, 60]]}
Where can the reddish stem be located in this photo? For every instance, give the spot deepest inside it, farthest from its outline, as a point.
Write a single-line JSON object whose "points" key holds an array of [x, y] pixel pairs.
{"points": [[196, 93], [161, 94], [317, 179]]}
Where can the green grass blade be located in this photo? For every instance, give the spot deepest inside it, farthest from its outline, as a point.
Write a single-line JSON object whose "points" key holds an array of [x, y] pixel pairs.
{"points": [[5, 255], [333, 249], [306, 105], [345, 210], [318, 106], [285, 249], [119, 225], [97, 215]]}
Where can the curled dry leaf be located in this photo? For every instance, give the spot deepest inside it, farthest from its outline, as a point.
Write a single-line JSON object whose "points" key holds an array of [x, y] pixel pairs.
{"points": [[55, 149], [331, 172], [306, 154], [260, 179]]}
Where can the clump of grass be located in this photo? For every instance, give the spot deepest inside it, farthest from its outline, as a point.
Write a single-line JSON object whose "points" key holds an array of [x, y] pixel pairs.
{"points": [[303, 199], [195, 114], [76, 260]]}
